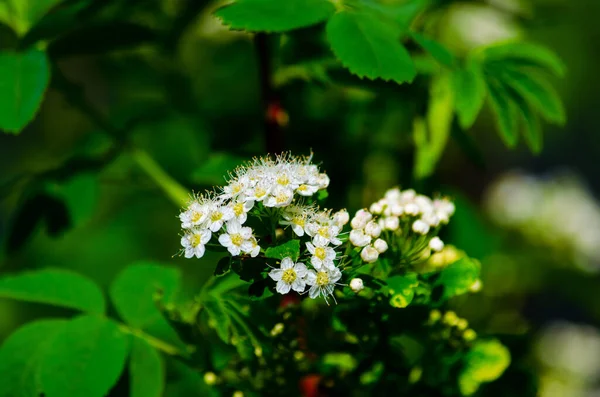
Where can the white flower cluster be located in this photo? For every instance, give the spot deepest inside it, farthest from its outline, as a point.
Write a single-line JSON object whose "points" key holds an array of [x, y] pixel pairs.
{"points": [[399, 212], [274, 182]]}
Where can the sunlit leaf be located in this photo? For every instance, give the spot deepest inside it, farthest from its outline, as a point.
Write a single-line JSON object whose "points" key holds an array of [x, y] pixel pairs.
{"points": [[469, 92], [526, 54], [458, 277], [22, 14], [506, 113], [435, 49], [401, 289], [288, 249], [485, 362]]}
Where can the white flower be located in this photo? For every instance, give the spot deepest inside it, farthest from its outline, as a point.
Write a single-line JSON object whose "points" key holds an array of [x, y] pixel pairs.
{"points": [[193, 242], [425, 204], [307, 190], [237, 238], [431, 219], [341, 218], [322, 282], [296, 218], [307, 174], [279, 197], [240, 210], [253, 248], [393, 194], [321, 255], [323, 181], [369, 254], [411, 209], [359, 239], [290, 276], [380, 245], [323, 234], [195, 215], [408, 195], [420, 227], [436, 244], [260, 190], [218, 215], [377, 207], [236, 187], [373, 229], [356, 285], [391, 223], [360, 219]]}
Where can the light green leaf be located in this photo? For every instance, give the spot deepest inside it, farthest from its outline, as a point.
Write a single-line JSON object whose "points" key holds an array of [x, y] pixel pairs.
{"points": [[288, 249], [439, 125], [436, 49], [458, 277], [22, 14], [274, 16], [23, 81], [85, 358], [485, 362], [526, 54], [401, 289], [506, 113], [469, 91], [20, 355], [146, 370], [136, 292], [54, 287], [370, 46]]}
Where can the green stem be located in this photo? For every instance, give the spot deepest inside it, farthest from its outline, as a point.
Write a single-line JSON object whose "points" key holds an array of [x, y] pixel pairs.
{"points": [[177, 193], [154, 342]]}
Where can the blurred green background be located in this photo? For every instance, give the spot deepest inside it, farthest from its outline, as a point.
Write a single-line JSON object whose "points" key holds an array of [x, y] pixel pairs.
{"points": [[187, 91]]}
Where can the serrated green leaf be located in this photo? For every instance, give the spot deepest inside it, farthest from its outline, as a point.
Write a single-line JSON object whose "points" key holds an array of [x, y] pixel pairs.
{"points": [[435, 49], [54, 287], [288, 249], [469, 93], [23, 81], [526, 54], [85, 358], [458, 277], [485, 362], [21, 15], [135, 293], [369, 46], [20, 355], [274, 16], [146, 370], [506, 113]]}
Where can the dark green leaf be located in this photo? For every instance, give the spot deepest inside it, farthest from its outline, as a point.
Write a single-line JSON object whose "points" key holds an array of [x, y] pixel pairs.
{"points": [[436, 49], [23, 81], [526, 54], [223, 266], [146, 370], [54, 287], [369, 46], [20, 356], [80, 194], [258, 290], [506, 113], [188, 382], [469, 93], [532, 130], [85, 358], [458, 277], [219, 320], [274, 16], [288, 249], [21, 15]]}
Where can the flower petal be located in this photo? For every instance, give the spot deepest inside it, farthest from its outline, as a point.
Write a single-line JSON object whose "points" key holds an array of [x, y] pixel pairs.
{"points": [[298, 285], [283, 287], [314, 291], [301, 270], [225, 240], [311, 277], [287, 263], [276, 274]]}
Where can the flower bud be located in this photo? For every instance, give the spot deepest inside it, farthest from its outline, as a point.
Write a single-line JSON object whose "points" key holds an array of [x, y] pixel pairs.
{"points": [[359, 239], [380, 245], [340, 218], [392, 223], [420, 227], [436, 244], [411, 209], [210, 378], [360, 219], [373, 229], [323, 180], [376, 207], [469, 335], [431, 218], [476, 286], [369, 254], [356, 285]]}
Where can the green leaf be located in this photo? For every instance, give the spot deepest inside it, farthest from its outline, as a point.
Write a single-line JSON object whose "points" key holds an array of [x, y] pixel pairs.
{"points": [[54, 287], [223, 266], [402, 13], [370, 46], [288, 249], [20, 355], [274, 16], [526, 54], [85, 358], [187, 382], [436, 49], [505, 111], [485, 362], [401, 289], [458, 277], [136, 292], [215, 169], [439, 124], [23, 81], [469, 91], [532, 130], [146, 370], [22, 14], [80, 194]]}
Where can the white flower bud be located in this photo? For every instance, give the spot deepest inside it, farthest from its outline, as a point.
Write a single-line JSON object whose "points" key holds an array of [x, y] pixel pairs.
{"points": [[411, 209], [340, 218], [397, 209], [360, 219], [392, 223], [369, 254], [380, 245], [430, 218], [393, 194], [323, 181], [376, 207], [356, 285], [359, 238], [408, 195], [436, 244], [420, 227], [373, 229]]}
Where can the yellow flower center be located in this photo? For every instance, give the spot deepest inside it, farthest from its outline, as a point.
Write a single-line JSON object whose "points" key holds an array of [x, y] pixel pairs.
{"points": [[196, 216], [324, 231], [320, 253], [236, 188], [289, 276], [322, 279], [283, 180], [281, 198], [302, 188], [237, 239], [195, 240], [238, 209], [216, 216], [298, 220], [259, 192]]}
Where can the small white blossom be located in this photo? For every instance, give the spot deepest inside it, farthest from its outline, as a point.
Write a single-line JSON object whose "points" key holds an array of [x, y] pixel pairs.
{"points": [[356, 285], [377, 207], [420, 227], [195, 215], [193, 242], [296, 217], [360, 219], [253, 248], [380, 245], [411, 209], [237, 238], [307, 190], [436, 244], [341, 218], [373, 229], [240, 210], [391, 223], [322, 282], [218, 215], [280, 197], [358, 238], [323, 181], [323, 234], [369, 254], [260, 191], [321, 255], [290, 276]]}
